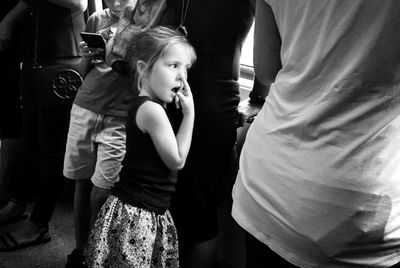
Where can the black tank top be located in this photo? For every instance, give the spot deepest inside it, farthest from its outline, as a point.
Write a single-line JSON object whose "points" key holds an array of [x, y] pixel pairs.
{"points": [[145, 181]]}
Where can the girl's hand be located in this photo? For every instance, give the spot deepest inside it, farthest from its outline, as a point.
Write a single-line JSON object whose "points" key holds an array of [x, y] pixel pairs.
{"points": [[92, 53], [184, 98]]}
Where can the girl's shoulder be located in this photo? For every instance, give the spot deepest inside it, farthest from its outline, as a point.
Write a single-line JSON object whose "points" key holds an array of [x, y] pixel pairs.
{"points": [[139, 101], [148, 113]]}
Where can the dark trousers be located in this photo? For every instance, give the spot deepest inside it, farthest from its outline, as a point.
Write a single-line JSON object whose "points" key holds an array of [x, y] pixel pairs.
{"points": [[46, 121]]}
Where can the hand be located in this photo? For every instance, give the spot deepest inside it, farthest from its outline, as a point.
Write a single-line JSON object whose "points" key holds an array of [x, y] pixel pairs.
{"points": [[184, 98], [246, 112], [92, 53]]}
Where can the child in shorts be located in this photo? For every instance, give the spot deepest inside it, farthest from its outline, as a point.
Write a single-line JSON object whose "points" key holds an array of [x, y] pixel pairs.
{"points": [[96, 138]]}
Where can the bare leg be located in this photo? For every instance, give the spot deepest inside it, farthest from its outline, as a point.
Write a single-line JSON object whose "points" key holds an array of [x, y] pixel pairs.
{"points": [[87, 202], [82, 212], [97, 199]]}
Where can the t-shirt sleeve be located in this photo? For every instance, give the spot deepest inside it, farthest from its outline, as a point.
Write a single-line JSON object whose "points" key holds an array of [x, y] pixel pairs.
{"points": [[91, 23]]}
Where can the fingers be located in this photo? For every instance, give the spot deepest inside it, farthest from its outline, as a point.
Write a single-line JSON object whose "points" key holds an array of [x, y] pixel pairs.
{"points": [[177, 102], [82, 44], [242, 119], [91, 52], [246, 114], [180, 95], [183, 96], [186, 88]]}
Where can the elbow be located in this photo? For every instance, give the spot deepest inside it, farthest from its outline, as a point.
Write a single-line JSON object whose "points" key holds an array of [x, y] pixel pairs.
{"points": [[176, 166], [80, 5]]}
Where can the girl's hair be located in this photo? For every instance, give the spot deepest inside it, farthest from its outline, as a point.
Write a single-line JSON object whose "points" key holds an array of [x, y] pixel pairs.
{"points": [[150, 45]]}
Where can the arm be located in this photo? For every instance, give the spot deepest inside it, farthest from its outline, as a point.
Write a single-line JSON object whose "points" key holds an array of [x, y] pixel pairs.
{"points": [[9, 22], [267, 61], [86, 65], [152, 119], [89, 54]]}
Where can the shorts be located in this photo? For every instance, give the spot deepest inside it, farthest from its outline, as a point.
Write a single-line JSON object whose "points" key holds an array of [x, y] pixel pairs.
{"points": [[95, 147]]}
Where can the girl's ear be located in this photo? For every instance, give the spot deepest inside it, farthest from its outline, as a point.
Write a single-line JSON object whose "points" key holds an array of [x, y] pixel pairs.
{"points": [[140, 67]]}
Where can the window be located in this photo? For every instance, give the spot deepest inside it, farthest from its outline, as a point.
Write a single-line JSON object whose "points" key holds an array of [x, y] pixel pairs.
{"points": [[247, 49], [246, 62]]}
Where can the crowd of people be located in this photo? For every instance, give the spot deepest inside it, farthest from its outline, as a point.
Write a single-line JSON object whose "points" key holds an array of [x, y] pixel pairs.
{"points": [[151, 145]]}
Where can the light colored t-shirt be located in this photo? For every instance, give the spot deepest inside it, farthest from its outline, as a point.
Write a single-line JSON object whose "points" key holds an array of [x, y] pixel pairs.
{"points": [[319, 178], [104, 91]]}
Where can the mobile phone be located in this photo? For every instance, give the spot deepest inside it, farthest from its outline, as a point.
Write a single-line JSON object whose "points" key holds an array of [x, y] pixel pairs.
{"points": [[93, 39]]}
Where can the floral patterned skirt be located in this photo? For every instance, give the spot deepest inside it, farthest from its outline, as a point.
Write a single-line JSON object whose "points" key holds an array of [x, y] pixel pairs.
{"points": [[127, 236]]}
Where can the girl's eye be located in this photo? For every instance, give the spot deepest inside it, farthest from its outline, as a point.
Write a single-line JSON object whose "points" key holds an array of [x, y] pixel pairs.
{"points": [[174, 65]]}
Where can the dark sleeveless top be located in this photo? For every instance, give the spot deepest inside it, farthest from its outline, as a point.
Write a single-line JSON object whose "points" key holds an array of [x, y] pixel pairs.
{"points": [[145, 181]]}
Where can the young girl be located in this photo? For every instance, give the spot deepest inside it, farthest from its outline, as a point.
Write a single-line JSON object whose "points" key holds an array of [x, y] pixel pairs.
{"points": [[135, 228]]}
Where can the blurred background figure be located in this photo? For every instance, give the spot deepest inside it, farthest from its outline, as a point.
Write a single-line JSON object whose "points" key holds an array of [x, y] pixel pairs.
{"points": [[50, 78], [11, 16], [217, 30]]}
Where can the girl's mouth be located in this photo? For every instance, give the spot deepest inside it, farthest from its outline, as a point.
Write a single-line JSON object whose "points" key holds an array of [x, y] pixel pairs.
{"points": [[176, 89]]}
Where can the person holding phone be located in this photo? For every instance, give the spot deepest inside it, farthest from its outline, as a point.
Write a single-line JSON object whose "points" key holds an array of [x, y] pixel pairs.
{"points": [[96, 137]]}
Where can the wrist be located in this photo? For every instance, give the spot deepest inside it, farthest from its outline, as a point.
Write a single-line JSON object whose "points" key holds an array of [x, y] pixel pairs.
{"points": [[256, 100]]}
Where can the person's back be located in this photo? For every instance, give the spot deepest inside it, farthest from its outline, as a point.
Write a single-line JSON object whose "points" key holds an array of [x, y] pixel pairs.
{"points": [[318, 179]]}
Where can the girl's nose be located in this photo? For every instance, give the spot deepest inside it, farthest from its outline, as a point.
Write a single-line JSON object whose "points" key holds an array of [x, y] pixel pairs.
{"points": [[182, 74]]}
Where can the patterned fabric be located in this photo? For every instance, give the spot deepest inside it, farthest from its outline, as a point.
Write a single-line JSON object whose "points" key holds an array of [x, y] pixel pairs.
{"points": [[127, 236]]}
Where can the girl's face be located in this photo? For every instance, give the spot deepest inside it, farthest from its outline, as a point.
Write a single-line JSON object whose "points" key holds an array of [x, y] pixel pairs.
{"points": [[165, 78], [117, 6]]}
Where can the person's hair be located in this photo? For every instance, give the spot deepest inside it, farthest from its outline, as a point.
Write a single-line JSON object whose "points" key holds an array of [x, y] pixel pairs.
{"points": [[150, 45]]}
